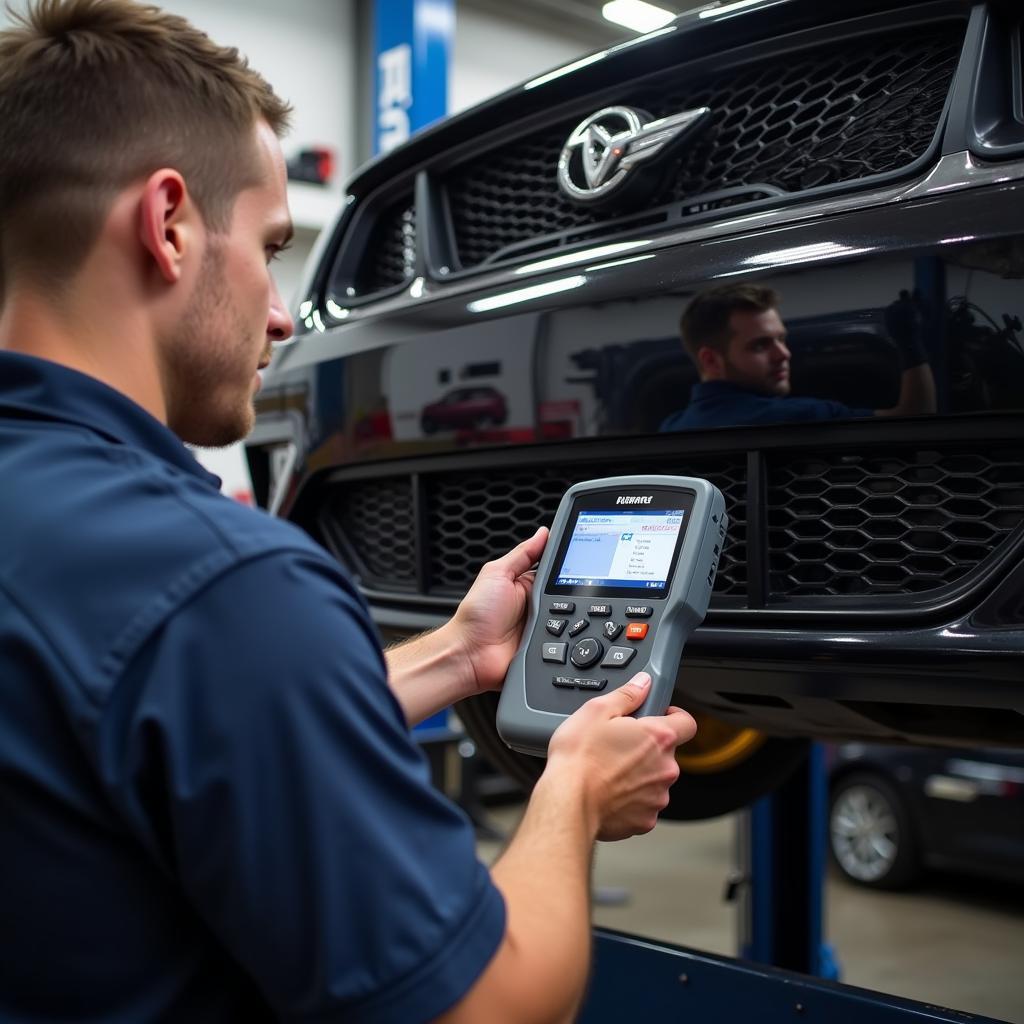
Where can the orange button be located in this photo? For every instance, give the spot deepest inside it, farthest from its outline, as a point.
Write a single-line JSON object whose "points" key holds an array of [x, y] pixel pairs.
{"points": [[636, 630]]}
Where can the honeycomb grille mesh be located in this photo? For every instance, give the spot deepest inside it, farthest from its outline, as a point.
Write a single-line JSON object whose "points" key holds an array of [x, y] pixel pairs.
{"points": [[390, 255], [900, 523], [869, 106], [478, 517], [376, 520], [904, 521]]}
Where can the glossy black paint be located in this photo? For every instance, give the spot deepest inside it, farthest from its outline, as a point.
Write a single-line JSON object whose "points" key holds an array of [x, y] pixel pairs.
{"points": [[581, 351]]}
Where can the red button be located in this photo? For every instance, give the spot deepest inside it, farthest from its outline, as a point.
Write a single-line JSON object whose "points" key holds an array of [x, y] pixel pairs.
{"points": [[636, 630]]}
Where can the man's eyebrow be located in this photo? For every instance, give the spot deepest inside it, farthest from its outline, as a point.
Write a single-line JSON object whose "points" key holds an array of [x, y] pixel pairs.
{"points": [[768, 337]]}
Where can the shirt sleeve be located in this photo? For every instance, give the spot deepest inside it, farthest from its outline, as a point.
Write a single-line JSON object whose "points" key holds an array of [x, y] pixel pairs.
{"points": [[262, 758]]}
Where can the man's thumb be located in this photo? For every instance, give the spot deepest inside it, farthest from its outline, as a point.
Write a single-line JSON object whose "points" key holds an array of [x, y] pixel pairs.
{"points": [[627, 698]]}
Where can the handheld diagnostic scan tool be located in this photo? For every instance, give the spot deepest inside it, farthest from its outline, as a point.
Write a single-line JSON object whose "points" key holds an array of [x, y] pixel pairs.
{"points": [[625, 577]]}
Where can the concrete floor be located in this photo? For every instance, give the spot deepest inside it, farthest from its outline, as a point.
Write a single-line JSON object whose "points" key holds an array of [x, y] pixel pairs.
{"points": [[954, 941]]}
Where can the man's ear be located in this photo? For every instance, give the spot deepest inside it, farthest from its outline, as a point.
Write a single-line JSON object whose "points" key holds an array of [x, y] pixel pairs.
{"points": [[167, 221], [710, 363]]}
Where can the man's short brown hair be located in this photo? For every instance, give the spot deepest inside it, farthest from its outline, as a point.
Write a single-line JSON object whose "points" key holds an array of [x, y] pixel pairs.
{"points": [[705, 322], [96, 94]]}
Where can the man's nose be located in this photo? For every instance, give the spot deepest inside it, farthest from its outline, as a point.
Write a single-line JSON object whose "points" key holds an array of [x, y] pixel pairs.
{"points": [[279, 324], [780, 352]]}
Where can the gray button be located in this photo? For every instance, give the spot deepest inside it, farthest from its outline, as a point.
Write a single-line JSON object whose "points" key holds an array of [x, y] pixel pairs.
{"points": [[600, 611], [555, 626], [562, 607], [618, 657], [578, 626], [554, 652], [586, 652]]}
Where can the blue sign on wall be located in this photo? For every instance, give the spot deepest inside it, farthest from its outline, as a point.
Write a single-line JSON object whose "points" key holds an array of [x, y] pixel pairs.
{"points": [[412, 42]]}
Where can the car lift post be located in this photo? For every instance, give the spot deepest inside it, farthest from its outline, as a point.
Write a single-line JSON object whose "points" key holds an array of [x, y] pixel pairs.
{"points": [[782, 845], [638, 979]]}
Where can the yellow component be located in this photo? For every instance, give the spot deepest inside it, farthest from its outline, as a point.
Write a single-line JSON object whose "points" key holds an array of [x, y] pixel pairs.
{"points": [[717, 746]]}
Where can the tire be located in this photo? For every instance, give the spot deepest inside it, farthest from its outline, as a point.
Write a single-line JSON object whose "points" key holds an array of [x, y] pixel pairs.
{"points": [[870, 835], [736, 768]]}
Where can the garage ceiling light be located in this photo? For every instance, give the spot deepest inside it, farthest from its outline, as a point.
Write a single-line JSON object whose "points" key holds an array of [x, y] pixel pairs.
{"points": [[637, 15]]}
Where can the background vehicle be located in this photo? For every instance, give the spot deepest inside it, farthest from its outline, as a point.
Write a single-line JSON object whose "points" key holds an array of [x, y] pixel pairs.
{"points": [[873, 583], [465, 408], [897, 810]]}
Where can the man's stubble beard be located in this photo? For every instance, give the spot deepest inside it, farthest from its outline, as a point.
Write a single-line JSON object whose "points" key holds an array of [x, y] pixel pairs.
{"points": [[202, 363], [758, 385]]}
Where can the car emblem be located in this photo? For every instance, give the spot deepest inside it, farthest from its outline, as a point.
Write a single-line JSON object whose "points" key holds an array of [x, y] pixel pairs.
{"points": [[600, 155]]}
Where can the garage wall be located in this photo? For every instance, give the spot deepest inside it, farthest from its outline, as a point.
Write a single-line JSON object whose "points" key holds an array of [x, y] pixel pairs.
{"points": [[308, 50], [492, 53]]}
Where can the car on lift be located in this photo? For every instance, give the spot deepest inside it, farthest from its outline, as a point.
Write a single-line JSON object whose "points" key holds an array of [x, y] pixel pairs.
{"points": [[872, 588]]}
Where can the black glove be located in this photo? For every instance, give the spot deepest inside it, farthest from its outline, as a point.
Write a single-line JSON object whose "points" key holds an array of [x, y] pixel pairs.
{"points": [[903, 322]]}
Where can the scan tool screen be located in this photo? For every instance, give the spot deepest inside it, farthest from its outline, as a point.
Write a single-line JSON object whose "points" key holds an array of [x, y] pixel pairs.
{"points": [[621, 548]]}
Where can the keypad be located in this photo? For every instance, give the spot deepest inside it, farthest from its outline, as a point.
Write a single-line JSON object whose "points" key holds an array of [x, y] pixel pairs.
{"points": [[585, 650]]}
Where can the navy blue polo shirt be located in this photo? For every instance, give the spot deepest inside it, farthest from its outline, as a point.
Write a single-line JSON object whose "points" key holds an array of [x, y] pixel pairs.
{"points": [[212, 808], [718, 403]]}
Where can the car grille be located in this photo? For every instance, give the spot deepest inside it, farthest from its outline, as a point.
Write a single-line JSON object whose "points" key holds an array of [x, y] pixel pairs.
{"points": [[899, 522], [903, 522], [376, 519], [781, 126], [390, 254]]}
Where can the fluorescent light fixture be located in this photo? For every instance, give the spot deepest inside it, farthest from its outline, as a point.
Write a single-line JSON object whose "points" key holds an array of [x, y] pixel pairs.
{"points": [[638, 15], [537, 291], [338, 312], [598, 252]]}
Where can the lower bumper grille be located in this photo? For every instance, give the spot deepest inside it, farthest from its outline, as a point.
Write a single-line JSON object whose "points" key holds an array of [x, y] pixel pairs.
{"points": [[905, 520]]}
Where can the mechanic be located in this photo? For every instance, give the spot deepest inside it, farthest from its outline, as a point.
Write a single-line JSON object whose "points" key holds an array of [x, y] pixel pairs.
{"points": [[213, 808], [737, 340]]}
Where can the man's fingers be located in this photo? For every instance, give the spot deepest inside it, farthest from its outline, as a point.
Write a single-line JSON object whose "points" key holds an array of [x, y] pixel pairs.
{"points": [[523, 556], [682, 723]]}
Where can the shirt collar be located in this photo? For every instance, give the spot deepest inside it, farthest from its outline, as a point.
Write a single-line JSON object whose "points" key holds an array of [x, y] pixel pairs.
{"points": [[41, 389], [717, 388]]}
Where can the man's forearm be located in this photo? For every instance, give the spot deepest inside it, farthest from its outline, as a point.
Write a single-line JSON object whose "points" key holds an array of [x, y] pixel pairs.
{"points": [[540, 971], [429, 673], [917, 393]]}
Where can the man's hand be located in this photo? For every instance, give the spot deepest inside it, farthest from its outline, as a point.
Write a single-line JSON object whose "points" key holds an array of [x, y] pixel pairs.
{"points": [[628, 764], [903, 322], [489, 621]]}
